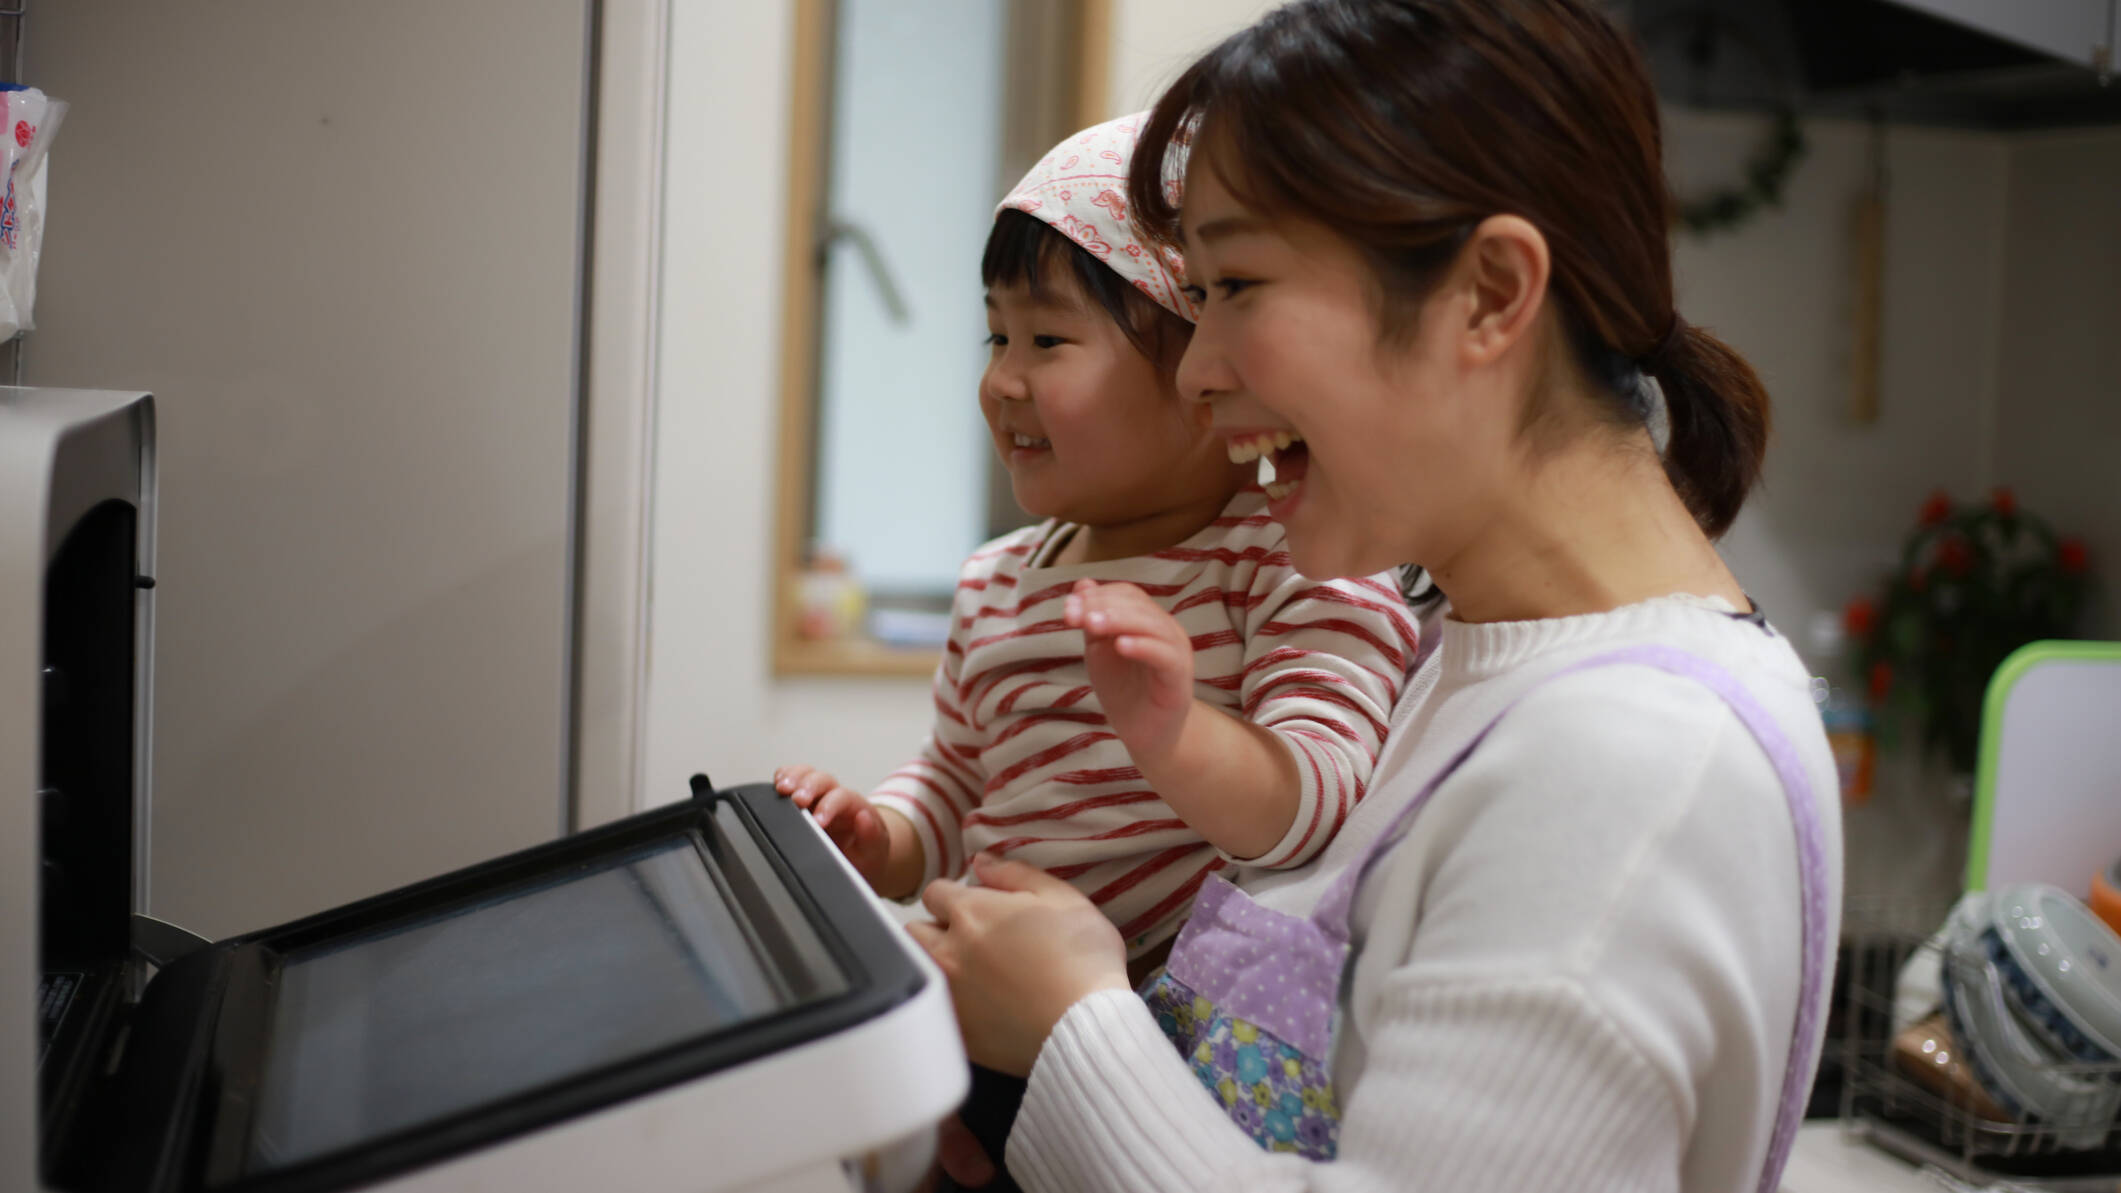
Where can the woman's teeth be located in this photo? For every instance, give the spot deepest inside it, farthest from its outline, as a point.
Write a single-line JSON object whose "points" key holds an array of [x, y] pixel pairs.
{"points": [[1252, 447], [1028, 441], [1261, 446], [1276, 489]]}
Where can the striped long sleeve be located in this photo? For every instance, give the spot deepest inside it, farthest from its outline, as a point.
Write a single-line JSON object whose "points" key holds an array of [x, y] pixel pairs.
{"points": [[942, 784], [1022, 762], [1323, 665]]}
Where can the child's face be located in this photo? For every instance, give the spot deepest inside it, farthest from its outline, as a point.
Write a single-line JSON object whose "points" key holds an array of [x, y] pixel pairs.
{"points": [[1091, 431]]}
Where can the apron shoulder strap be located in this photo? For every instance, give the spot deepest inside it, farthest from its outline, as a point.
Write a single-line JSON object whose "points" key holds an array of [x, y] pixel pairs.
{"points": [[1335, 908]]}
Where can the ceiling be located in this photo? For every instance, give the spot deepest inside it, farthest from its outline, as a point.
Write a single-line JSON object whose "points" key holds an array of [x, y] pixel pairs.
{"points": [[1861, 59]]}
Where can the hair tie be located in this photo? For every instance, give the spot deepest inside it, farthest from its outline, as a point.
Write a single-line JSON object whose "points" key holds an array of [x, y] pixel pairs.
{"points": [[1656, 357], [1656, 413]]}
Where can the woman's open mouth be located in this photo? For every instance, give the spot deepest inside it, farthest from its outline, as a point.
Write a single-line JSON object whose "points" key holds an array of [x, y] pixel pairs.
{"points": [[1283, 459]]}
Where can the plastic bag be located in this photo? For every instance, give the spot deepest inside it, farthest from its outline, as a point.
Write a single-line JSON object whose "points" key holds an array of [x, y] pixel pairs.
{"points": [[32, 120]]}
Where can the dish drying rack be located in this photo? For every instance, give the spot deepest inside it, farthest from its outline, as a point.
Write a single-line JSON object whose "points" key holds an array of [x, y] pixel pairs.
{"points": [[1892, 1111]]}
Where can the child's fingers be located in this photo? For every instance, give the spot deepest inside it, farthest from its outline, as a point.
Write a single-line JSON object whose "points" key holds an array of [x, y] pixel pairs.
{"points": [[803, 784], [1073, 608], [869, 831], [1112, 614], [814, 787], [1115, 595], [836, 804], [1158, 654]]}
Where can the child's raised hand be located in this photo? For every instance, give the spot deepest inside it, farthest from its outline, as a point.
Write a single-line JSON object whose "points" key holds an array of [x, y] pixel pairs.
{"points": [[1140, 662], [844, 814]]}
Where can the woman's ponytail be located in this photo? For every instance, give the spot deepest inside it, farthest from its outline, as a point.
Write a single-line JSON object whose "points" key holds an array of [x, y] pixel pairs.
{"points": [[1718, 412]]}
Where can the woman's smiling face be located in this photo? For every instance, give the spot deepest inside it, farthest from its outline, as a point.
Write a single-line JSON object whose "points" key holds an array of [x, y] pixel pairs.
{"points": [[1395, 448]]}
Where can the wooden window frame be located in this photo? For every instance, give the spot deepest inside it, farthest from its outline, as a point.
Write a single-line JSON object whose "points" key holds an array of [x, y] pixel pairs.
{"points": [[1090, 31]]}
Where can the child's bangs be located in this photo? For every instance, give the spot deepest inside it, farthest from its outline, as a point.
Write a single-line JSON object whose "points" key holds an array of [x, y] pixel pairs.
{"points": [[1027, 251]]}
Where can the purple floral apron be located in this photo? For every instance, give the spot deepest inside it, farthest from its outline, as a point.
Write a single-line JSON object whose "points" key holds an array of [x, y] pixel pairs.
{"points": [[1250, 993]]}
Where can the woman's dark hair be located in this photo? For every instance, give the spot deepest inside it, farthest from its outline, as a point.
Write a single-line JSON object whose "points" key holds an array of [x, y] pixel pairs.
{"points": [[1401, 124], [1024, 249]]}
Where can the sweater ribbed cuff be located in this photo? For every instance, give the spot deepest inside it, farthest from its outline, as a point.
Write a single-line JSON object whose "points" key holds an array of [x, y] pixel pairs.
{"points": [[1111, 1105]]}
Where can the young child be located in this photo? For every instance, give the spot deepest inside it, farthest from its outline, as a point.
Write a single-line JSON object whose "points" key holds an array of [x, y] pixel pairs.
{"points": [[1139, 690]]}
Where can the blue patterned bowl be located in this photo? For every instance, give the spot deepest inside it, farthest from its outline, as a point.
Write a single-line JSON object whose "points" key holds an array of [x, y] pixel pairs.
{"points": [[2017, 1069], [2062, 967]]}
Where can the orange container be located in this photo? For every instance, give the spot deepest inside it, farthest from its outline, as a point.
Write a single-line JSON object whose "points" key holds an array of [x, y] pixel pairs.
{"points": [[2106, 896]]}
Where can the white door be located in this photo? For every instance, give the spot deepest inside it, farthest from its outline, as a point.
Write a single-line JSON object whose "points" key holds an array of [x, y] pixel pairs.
{"points": [[340, 244]]}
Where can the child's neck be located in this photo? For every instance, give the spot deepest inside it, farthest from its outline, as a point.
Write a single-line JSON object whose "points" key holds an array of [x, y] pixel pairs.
{"points": [[1106, 541]]}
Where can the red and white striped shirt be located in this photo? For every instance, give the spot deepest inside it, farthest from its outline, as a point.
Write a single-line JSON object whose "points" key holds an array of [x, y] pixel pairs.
{"points": [[1022, 763]]}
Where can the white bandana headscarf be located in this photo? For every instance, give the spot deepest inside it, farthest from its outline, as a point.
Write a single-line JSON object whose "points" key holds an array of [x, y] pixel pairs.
{"points": [[1080, 187]]}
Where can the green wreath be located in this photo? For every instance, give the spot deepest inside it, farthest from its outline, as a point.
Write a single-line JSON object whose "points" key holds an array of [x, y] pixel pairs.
{"points": [[1765, 173]]}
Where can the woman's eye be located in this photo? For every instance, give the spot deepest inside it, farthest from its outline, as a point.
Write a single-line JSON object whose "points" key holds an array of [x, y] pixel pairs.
{"points": [[1048, 341], [1232, 287]]}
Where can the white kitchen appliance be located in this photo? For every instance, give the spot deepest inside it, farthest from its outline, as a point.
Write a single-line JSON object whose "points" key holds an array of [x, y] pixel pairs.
{"points": [[702, 997]]}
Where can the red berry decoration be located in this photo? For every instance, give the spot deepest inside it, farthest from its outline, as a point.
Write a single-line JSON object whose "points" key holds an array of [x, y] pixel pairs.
{"points": [[1860, 617], [23, 133], [1881, 681], [2071, 556], [1974, 583]]}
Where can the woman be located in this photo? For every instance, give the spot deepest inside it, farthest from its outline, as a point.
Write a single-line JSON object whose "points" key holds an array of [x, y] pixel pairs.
{"points": [[1576, 934]]}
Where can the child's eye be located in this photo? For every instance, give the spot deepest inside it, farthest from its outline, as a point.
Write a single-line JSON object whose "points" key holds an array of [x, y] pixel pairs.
{"points": [[1048, 341], [1195, 293], [996, 339], [1232, 287]]}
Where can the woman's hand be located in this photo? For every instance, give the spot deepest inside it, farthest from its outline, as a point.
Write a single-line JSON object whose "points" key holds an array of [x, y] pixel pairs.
{"points": [[1019, 950], [1140, 662]]}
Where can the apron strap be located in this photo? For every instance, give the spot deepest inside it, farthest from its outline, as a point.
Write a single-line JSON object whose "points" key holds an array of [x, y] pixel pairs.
{"points": [[1334, 908]]}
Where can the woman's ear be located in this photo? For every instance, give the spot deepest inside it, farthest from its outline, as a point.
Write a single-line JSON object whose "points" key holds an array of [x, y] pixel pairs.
{"points": [[1504, 266]]}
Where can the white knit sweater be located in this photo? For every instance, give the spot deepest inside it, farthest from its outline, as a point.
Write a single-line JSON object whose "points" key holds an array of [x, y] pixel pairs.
{"points": [[1578, 971]]}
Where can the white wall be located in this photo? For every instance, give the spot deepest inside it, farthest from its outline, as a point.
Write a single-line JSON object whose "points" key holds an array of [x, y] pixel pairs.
{"points": [[2058, 417], [338, 244], [1837, 498], [1154, 40]]}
